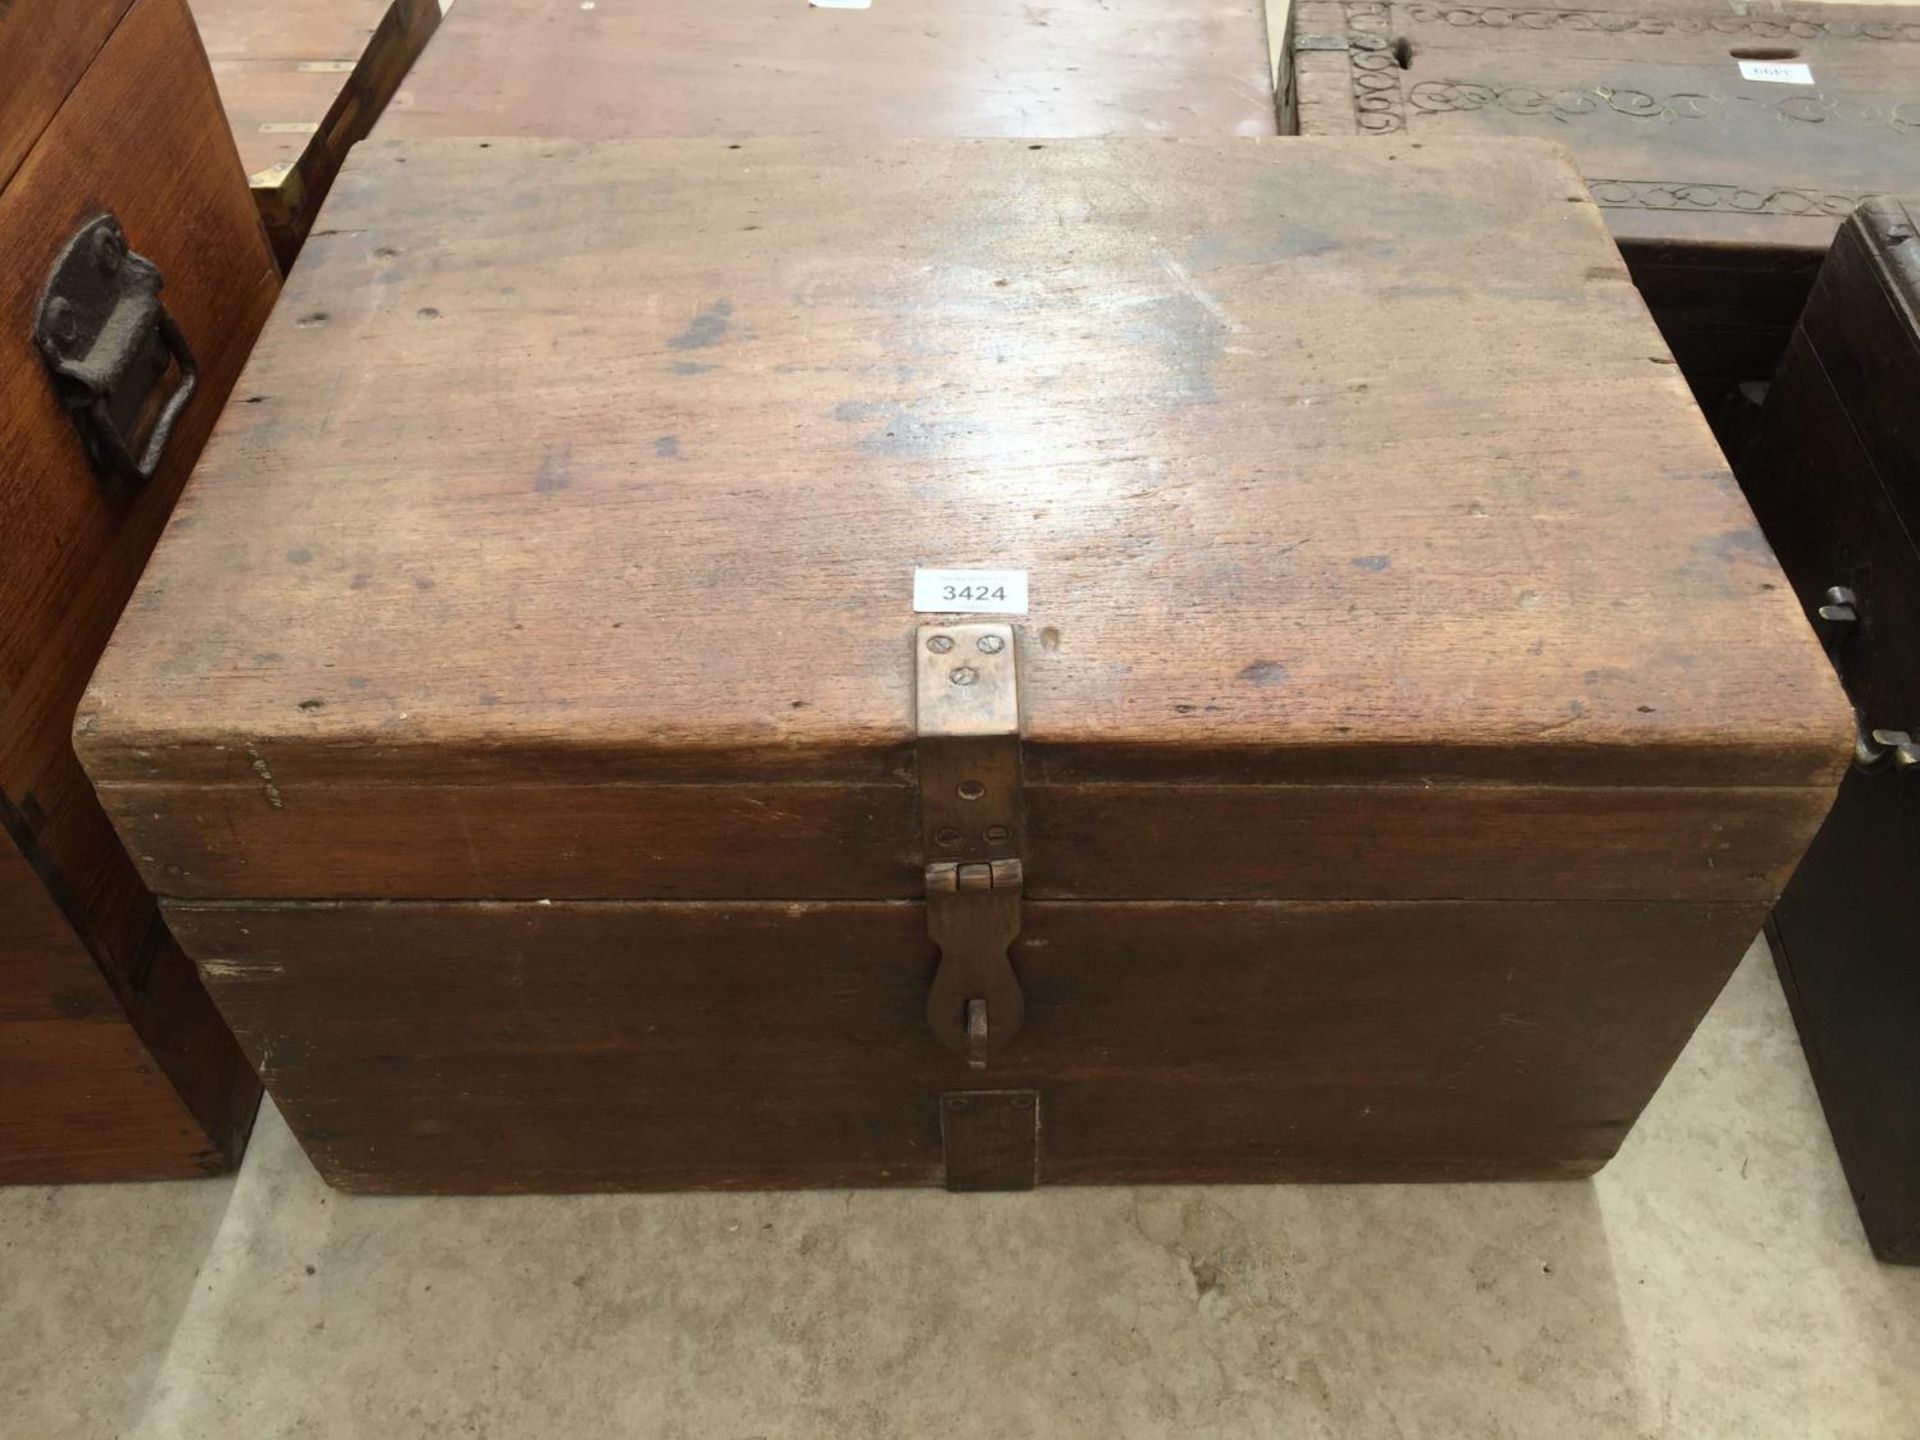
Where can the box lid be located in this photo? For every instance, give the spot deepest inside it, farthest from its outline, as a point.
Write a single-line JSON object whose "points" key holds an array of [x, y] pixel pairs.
{"points": [[673, 68], [564, 466], [1696, 123]]}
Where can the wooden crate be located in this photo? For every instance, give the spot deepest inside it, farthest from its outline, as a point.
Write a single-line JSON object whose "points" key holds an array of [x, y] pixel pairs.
{"points": [[301, 81], [559, 790], [113, 1063]]}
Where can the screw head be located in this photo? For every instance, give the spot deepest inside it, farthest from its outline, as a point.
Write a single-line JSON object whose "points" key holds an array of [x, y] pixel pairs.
{"points": [[990, 644], [965, 675], [996, 834], [940, 644], [971, 789], [946, 837]]}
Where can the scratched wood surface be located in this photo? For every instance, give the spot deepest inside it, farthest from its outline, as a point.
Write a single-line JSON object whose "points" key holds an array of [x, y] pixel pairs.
{"points": [[455, 1048], [301, 83], [115, 1064], [1316, 455], [1039, 68], [1724, 191]]}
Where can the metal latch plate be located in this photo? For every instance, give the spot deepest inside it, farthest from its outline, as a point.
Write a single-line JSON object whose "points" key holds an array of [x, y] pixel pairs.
{"points": [[968, 702], [973, 826], [991, 1139]]}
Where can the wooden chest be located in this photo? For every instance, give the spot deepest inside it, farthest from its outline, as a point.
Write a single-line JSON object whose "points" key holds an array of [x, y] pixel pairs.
{"points": [[123, 216], [1835, 477], [560, 789], [1724, 143], [301, 81], [561, 69]]}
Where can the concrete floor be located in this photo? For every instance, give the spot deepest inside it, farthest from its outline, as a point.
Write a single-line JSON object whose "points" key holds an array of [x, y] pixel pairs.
{"points": [[1711, 1282]]}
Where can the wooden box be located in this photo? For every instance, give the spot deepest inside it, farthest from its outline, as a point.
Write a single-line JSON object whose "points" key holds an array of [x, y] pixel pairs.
{"points": [[1835, 477], [1721, 175], [560, 790], [667, 68], [121, 196], [301, 81]]}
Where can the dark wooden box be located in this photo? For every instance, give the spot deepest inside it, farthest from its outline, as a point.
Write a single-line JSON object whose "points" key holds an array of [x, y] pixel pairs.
{"points": [[1834, 473], [113, 1062], [558, 789], [302, 81], [1724, 191], [669, 68]]}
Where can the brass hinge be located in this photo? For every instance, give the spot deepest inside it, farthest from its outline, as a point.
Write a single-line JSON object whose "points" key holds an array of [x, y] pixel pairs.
{"points": [[973, 827]]}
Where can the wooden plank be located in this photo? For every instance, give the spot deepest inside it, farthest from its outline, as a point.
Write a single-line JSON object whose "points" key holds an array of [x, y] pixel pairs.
{"points": [[141, 135], [559, 69], [301, 83], [1329, 465], [582, 1047], [532, 841], [45, 47]]}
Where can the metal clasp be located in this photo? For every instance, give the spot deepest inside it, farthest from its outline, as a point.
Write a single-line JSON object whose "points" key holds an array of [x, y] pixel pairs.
{"points": [[1835, 617], [973, 914], [1873, 749], [973, 827], [108, 343]]}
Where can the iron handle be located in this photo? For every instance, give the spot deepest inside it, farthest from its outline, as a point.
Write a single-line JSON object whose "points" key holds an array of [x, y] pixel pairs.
{"points": [[108, 342]]}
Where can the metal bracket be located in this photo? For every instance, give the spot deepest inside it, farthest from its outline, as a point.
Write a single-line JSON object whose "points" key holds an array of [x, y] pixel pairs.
{"points": [[973, 825], [1873, 749], [991, 1139], [1835, 617], [108, 343]]}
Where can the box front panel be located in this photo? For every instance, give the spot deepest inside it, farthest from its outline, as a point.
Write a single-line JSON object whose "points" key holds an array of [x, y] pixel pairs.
{"points": [[490, 1047]]}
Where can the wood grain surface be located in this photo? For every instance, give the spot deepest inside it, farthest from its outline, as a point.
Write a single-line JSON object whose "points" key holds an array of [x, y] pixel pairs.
{"points": [[534, 839], [1312, 451], [301, 82], [783, 67], [83, 1097], [45, 47], [141, 135], [1723, 190], [667, 1046]]}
